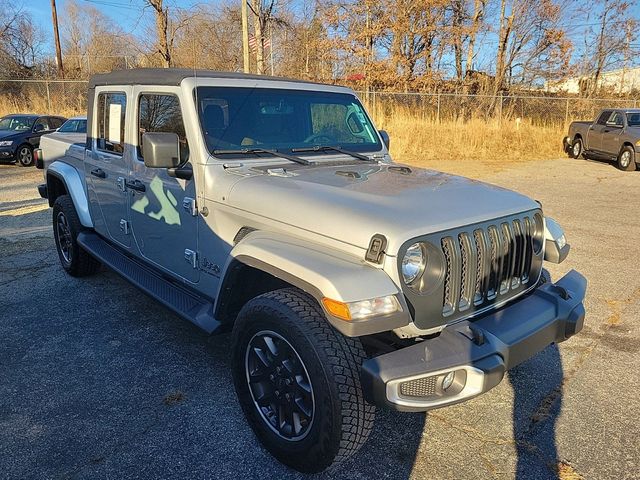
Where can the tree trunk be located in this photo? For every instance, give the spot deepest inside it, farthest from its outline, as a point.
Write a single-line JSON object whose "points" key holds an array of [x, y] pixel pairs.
{"points": [[457, 22], [478, 10], [162, 25], [503, 38]]}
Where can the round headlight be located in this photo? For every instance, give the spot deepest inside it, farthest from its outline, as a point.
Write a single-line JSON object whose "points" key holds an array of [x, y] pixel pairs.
{"points": [[413, 263]]}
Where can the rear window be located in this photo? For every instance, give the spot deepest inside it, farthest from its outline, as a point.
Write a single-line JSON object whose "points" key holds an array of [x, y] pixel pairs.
{"points": [[77, 125], [604, 116]]}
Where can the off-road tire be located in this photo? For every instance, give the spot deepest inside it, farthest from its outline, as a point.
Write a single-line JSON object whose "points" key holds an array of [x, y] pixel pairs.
{"points": [[76, 262], [25, 161], [576, 149], [627, 159], [342, 419]]}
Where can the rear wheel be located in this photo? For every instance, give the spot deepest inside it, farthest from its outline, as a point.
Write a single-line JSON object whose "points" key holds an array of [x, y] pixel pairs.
{"points": [[576, 148], [24, 155], [627, 159], [66, 227], [298, 381]]}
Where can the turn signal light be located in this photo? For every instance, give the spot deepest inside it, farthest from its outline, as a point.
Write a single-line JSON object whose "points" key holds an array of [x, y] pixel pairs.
{"points": [[362, 309], [336, 308]]}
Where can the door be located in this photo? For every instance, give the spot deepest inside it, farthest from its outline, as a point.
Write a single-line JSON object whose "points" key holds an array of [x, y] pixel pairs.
{"points": [[107, 165], [612, 132], [163, 208], [596, 130]]}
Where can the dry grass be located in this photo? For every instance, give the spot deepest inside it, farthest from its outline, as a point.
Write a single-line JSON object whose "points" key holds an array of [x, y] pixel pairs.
{"points": [[460, 146]]}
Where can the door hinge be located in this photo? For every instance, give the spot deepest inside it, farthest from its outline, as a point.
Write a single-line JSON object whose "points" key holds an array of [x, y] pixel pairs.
{"points": [[122, 184], [124, 226], [191, 257], [189, 204]]}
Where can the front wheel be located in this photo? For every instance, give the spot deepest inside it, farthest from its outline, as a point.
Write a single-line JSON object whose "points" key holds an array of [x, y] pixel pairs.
{"points": [[24, 155], [627, 159], [576, 148], [298, 381]]}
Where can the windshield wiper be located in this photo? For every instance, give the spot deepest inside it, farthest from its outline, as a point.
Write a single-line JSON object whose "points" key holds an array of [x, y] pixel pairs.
{"points": [[257, 151], [325, 148]]}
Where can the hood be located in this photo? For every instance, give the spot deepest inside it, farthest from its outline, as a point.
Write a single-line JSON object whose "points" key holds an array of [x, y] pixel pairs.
{"points": [[7, 134], [354, 202]]}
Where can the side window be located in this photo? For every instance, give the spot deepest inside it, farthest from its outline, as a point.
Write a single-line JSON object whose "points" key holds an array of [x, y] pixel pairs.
{"points": [[604, 116], [615, 119], [161, 113], [55, 122], [41, 125], [110, 112]]}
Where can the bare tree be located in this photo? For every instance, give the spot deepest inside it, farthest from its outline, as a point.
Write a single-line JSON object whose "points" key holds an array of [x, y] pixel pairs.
{"points": [[476, 19], [532, 45], [163, 46], [615, 32], [21, 42], [265, 17]]}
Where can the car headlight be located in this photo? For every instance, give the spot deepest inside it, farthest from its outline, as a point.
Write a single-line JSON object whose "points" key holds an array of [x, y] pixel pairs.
{"points": [[413, 263], [6, 143]]}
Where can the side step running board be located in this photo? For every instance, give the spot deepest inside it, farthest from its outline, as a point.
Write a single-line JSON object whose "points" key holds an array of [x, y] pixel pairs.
{"points": [[195, 309]]}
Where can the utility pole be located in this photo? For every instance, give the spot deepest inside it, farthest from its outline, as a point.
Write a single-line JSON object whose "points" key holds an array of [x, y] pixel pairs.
{"points": [[245, 37], [56, 34]]}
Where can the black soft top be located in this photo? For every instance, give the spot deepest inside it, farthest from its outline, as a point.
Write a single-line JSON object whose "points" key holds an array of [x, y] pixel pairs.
{"points": [[172, 76]]}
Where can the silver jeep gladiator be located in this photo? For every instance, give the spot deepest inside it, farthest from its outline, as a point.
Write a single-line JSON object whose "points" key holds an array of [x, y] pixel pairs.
{"points": [[614, 135], [271, 208]]}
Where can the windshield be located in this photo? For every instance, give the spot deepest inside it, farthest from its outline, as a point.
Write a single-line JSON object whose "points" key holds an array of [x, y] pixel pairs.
{"points": [[633, 119], [16, 123], [75, 125], [277, 119]]}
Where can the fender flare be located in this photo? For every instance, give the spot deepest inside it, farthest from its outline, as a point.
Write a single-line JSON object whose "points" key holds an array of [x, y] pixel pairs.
{"points": [[72, 181], [321, 272]]}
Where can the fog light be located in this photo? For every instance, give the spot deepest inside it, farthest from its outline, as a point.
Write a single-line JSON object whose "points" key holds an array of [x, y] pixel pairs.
{"points": [[448, 380]]}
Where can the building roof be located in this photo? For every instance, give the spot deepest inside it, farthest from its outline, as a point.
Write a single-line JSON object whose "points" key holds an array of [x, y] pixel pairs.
{"points": [[173, 76]]}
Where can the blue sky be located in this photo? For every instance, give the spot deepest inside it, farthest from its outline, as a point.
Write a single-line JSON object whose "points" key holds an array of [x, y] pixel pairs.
{"points": [[127, 14]]}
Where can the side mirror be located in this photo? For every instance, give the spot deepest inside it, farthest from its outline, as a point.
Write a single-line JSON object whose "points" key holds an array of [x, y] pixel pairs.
{"points": [[385, 137], [38, 128], [161, 150]]}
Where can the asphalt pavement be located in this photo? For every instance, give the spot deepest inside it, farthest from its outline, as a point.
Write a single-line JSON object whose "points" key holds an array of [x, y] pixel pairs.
{"points": [[98, 381]]}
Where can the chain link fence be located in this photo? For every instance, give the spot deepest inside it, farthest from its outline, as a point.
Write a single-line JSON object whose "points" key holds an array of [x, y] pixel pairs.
{"points": [[68, 97], [446, 107], [59, 97]]}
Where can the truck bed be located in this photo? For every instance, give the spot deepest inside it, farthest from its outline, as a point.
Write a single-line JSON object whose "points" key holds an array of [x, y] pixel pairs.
{"points": [[57, 145]]}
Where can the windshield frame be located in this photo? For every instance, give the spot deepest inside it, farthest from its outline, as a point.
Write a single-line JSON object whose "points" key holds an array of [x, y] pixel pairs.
{"points": [[375, 147], [30, 119]]}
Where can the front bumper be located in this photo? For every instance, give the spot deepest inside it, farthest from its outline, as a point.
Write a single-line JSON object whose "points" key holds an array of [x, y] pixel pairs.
{"points": [[7, 154], [566, 144], [478, 352]]}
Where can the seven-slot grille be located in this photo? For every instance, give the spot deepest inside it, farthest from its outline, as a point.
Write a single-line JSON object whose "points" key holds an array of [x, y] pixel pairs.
{"points": [[487, 263]]}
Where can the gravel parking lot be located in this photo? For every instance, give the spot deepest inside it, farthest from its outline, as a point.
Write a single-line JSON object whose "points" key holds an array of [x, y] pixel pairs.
{"points": [[98, 381]]}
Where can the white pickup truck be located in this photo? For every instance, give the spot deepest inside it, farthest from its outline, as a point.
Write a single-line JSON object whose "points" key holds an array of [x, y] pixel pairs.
{"points": [[272, 208]]}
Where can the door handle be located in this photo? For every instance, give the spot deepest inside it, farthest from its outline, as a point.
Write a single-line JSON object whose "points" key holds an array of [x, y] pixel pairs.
{"points": [[98, 172], [136, 185], [607, 131]]}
